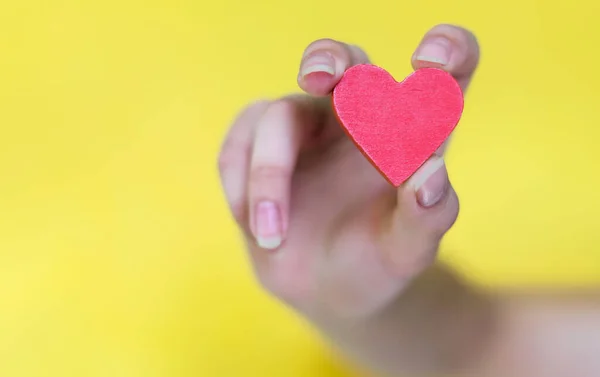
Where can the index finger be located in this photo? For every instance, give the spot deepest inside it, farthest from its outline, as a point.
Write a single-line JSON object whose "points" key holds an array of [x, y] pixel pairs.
{"points": [[323, 64]]}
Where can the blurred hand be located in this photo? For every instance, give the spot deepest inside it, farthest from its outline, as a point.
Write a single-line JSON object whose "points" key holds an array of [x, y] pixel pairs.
{"points": [[326, 232]]}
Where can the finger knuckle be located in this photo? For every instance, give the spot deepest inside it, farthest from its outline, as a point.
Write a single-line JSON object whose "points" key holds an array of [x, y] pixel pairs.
{"points": [[266, 174], [230, 155], [283, 106], [257, 105], [250, 111], [235, 146]]}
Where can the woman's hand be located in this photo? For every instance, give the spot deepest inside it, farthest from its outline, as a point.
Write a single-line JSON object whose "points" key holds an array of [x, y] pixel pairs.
{"points": [[326, 232]]}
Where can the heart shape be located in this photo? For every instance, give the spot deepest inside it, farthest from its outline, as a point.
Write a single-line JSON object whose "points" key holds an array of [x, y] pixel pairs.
{"points": [[397, 125]]}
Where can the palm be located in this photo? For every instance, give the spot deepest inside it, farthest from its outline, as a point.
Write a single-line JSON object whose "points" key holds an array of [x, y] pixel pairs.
{"points": [[339, 206]]}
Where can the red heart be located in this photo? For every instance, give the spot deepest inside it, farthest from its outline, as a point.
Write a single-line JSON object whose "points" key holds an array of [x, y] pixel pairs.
{"points": [[397, 125]]}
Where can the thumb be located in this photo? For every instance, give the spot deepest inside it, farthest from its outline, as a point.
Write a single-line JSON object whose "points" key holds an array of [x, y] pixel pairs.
{"points": [[429, 185], [427, 207]]}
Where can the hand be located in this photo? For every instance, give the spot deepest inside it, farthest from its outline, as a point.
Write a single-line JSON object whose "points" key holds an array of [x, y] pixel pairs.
{"points": [[327, 234]]}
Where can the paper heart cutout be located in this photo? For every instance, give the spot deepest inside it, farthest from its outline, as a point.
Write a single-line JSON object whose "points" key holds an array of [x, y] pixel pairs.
{"points": [[397, 125]]}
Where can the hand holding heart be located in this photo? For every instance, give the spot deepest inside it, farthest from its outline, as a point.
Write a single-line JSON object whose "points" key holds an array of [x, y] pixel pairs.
{"points": [[398, 126], [310, 187]]}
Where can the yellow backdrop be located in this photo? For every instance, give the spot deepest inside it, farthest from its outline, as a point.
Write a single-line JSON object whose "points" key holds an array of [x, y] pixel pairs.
{"points": [[117, 254]]}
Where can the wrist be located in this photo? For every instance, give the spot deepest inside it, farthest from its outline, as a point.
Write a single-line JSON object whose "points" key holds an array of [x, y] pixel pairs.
{"points": [[438, 324]]}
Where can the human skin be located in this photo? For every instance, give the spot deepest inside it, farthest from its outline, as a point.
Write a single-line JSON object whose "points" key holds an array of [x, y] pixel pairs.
{"points": [[329, 237]]}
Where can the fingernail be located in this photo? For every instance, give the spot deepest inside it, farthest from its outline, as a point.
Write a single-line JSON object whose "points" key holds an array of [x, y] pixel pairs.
{"points": [[318, 61], [434, 50], [430, 182], [268, 225]]}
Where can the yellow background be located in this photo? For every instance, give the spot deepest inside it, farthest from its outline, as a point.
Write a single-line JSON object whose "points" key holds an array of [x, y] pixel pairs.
{"points": [[117, 254]]}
